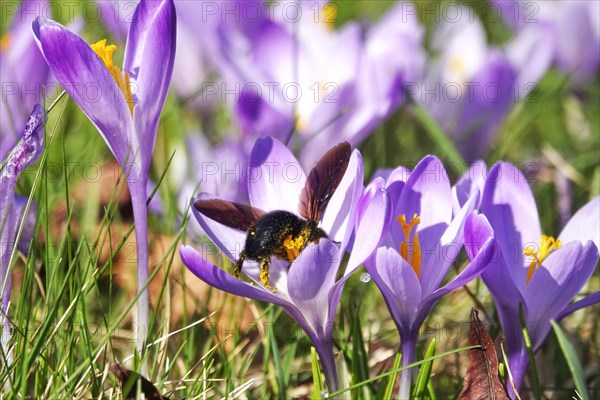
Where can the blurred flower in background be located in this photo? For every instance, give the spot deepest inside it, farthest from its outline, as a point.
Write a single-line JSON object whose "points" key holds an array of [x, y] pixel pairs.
{"points": [[23, 71], [575, 26], [470, 86]]}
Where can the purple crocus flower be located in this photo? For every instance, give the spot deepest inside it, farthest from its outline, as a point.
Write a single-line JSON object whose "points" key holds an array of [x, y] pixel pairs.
{"points": [[576, 28], [12, 207], [124, 106], [307, 287], [422, 241], [469, 93], [541, 273], [23, 71]]}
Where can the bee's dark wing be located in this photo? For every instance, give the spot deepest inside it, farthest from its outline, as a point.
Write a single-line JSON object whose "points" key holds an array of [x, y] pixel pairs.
{"points": [[322, 181], [234, 215]]}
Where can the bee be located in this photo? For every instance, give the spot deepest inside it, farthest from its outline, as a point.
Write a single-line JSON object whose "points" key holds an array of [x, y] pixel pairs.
{"points": [[282, 234]]}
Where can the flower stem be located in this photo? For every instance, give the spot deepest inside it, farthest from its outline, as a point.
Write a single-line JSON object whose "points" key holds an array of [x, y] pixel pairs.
{"points": [[140, 217], [325, 351], [408, 348]]}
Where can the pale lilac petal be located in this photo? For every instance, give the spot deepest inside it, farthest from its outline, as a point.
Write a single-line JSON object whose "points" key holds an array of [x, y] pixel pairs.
{"points": [[311, 277], [87, 80], [398, 284], [434, 269], [230, 241], [221, 280], [510, 208], [395, 182], [275, 178], [370, 229], [557, 282], [482, 261], [472, 181], [584, 225], [339, 216], [149, 59]]}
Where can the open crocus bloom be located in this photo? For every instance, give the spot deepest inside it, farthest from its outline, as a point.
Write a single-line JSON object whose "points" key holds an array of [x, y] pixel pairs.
{"points": [[12, 207], [540, 272], [124, 105], [423, 240], [306, 288]]}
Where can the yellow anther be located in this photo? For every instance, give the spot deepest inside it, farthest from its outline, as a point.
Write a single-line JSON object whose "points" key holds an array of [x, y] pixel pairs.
{"points": [[106, 54], [410, 250], [329, 15], [4, 42], [547, 245]]}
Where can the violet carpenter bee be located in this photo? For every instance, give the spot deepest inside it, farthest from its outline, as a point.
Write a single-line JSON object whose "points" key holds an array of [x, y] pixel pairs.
{"points": [[282, 234]]}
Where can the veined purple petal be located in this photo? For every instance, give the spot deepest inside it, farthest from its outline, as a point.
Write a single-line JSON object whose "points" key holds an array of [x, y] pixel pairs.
{"points": [[398, 284], [87, 80], [149, 59], [556, 283], [230, 241], [339, 216], [275, 177], [370, 228], [221, 280], [510, 208], [584, 225], [310, 278]]}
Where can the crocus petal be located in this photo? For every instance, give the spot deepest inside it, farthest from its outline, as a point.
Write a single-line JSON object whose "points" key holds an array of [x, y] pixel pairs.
{"points": [[434, 269], [310, 279], [370, 228], [472, 181], [220, 279], [87, 80], [584, 225], [275, 178], [338, 219], [398, 284], [149, 59], [556, 282], [230, 241], [482, 260], [585, 302], [510, 208]]}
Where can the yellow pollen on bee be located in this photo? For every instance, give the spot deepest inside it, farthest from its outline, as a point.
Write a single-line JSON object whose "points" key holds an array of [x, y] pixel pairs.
{"points": [[410, 250], [106, 54], [293, 247], [547, 245]]}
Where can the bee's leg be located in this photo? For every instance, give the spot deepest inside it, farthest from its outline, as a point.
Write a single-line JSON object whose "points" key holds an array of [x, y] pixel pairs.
{"points": [[264, 274], [237, 270]]}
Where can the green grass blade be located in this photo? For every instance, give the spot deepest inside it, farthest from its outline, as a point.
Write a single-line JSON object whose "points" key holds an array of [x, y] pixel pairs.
{"points": [[388, 388], [572, 361], [535, 383], [424, 372], [316, 372]]}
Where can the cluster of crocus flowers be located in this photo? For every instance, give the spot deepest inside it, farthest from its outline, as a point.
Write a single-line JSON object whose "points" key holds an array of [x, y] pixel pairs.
{"points": [[127, 105], [307, 288], [423, 237], [536, 272], [13, 209]]}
